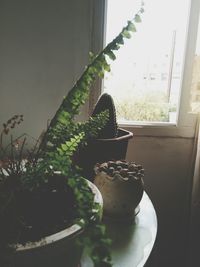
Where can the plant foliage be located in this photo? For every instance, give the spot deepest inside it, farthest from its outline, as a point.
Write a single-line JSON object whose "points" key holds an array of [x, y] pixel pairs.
{"points": [[105, 102], [55, 151]]}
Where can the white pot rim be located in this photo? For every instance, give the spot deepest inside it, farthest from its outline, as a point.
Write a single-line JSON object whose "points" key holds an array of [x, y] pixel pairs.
{"points": [[68, 232]]}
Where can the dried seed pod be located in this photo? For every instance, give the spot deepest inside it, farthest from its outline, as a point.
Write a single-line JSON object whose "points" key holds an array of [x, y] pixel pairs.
{"points": [[123, 172], [118, 162], [131, 167], [111, 164], [110, 171], [104, 165], [139, 167], [119, 168], [124, 165]]}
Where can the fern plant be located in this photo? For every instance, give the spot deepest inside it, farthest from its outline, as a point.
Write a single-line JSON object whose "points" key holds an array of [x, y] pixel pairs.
{"points": [[77, 96]]}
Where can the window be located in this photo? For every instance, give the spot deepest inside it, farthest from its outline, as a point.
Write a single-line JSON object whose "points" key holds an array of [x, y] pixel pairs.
{"points": [[151, 78], [195, 85], [146, 78]]}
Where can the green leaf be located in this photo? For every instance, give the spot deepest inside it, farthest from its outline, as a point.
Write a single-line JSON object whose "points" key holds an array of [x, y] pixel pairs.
{"points": [[126, 34], [115, 46], [137, 18], [101, 74], [64, 147], [131, 27], [91, 56], [107, 68], [111, 55], [119, 39]]}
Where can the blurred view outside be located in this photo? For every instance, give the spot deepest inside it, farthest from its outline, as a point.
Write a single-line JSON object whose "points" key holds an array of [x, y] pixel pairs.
{"points": [[195, 86], [145, 79]]}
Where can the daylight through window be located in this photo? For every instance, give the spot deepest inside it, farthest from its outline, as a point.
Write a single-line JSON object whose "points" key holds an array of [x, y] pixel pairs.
{"points": [[146, 78], [195, 85]]}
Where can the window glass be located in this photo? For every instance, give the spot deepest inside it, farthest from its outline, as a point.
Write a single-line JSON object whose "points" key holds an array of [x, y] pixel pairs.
{"points": [[195, 85], [145, 79]]}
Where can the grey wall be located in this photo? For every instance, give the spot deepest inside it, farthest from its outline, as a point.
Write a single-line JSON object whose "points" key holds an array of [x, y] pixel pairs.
{"points": [[44, 47]]}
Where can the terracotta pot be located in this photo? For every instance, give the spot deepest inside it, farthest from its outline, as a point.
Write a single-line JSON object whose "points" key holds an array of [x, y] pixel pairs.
{"points": [[59, 249]]}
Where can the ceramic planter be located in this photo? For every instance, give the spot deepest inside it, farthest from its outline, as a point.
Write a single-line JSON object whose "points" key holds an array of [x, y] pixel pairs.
{"points": [[59, 249], [121, 193]]}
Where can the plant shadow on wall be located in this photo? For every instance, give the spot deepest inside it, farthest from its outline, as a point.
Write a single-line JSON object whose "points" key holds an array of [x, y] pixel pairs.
{"points": [[43, 192]]}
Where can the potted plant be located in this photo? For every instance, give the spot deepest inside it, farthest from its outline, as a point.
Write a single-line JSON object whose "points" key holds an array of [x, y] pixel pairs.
{"points": [[42, 191], [41, 213], [111, 141], [121, 186]]}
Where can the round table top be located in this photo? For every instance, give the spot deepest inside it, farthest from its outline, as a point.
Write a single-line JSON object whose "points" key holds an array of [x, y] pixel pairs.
{"points": [[132, 242]]}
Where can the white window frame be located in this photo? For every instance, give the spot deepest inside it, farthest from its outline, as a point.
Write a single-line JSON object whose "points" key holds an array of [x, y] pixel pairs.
{"points": [[185, 126]]}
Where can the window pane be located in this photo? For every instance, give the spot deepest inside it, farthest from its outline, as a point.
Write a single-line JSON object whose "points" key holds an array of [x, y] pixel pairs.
{"points": [[146, 77], [195, 86]]}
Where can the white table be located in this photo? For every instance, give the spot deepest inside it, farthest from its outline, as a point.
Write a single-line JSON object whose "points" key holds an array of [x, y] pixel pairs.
{"points": [[132, 241]]}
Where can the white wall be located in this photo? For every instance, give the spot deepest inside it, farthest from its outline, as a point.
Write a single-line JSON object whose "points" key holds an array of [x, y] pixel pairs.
{"points": [[44, 47]]}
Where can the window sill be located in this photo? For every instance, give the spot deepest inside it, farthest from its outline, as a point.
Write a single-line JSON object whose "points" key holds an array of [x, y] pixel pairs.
{"points": [[172, 131], [185, 128]]}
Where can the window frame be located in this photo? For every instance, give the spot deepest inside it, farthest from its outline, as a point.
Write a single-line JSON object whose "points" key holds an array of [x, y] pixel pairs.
{"points": [[186, 122]]}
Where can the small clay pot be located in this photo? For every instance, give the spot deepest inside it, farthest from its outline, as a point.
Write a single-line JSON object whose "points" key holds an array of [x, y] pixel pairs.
{"points": [[121, 188]]}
